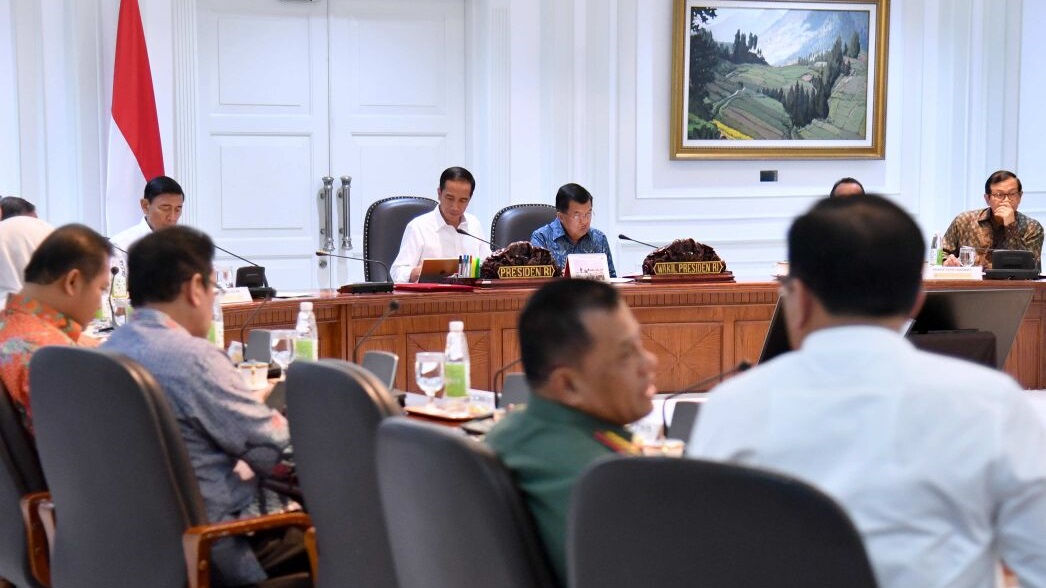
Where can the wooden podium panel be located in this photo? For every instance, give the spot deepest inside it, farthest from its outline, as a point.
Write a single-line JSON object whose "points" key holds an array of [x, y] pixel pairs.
{"points": [[695, 330]]}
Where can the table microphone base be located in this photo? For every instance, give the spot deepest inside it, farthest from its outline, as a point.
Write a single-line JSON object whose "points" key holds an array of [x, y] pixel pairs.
{"points": [[258, 292], [367, 288]]}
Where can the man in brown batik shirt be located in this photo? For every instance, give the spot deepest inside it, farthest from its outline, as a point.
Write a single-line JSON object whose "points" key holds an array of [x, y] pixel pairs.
{"points": [[999, 226]]}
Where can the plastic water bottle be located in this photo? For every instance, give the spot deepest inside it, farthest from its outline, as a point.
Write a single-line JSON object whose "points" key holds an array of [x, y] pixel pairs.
{"points": [[216, 334], [307, 345], [456, 369]]}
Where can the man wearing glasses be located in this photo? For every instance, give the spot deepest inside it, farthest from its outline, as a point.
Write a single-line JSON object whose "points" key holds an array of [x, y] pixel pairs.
{"points": [[999, 226], [571, 231]]}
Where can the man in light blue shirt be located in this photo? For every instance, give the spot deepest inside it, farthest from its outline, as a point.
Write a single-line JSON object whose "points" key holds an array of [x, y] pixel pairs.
{"points": [[571, 231]]}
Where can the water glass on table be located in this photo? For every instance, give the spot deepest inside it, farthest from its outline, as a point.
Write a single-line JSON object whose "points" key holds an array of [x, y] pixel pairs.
{"points": [[283, 347], [967, 256], [428, 373]]}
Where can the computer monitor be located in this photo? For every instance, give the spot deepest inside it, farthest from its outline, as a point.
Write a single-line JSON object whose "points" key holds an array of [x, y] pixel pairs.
{"points": [[995, 311], [776, 341]]}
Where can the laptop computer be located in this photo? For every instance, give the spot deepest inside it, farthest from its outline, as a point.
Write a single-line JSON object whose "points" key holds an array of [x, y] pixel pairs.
{"points": [[436, 270]]}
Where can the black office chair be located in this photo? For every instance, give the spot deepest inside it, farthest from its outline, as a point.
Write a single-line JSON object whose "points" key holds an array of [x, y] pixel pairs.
{"points": [[455, 516], [128, 505], [383, 231], [335, 408], [517, 222], [382, 364], [672, 522], [20, 475]]}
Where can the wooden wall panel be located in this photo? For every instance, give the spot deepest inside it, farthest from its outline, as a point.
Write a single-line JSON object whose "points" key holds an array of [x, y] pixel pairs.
{"points": [[695, 330]]}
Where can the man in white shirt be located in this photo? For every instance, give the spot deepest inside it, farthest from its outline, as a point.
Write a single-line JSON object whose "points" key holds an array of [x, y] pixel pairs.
{"points": [[434, 235], [161, 207], [939, 462], [19, 238]]}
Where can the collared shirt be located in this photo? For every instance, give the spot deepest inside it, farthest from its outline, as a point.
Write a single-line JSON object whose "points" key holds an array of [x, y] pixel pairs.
{"points": [[125, 238], [974, 228], [546, 446], [554, 238], [25, 326], [939, 462], [219, 419], [19, 238], [430, 237]]}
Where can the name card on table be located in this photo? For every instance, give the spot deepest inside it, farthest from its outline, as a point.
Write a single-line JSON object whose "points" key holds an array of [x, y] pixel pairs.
{"points": [[588, 266], [941, 272], [688, 268], [522, 272], [236, 295]]}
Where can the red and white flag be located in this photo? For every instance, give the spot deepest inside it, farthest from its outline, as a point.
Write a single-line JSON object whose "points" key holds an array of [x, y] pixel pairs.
{"points": [[135, 153]]}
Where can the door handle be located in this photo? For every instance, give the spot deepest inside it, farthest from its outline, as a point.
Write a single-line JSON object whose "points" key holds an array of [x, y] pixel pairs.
{"points": [[327, 197], [343, 197]]}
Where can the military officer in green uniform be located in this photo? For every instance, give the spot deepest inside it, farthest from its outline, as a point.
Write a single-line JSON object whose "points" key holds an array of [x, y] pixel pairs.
{"points": [[583, 356]]}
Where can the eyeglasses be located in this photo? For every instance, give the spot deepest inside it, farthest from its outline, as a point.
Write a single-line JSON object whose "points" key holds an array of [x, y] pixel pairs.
{"points": [[1000, 196], [577, 216]]}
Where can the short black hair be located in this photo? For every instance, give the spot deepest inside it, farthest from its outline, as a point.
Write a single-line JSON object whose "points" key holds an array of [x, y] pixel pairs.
{"points": [[550, 329], [859, 256], [162, 185], [68, 247], [1000, 176], [571, 193], [846, 180], [160, 262], [457, 173], [12, 206]]}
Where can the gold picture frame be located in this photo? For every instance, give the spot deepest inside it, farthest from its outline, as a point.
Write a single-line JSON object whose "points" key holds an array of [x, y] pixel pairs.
{"points": [[801, 95]]}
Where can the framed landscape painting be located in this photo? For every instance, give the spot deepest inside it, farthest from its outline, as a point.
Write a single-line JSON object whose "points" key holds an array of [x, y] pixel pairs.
{"points": [[779, 80]]}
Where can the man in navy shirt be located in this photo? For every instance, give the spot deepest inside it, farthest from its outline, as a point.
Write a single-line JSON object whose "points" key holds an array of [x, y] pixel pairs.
{"points": [[571, 231]]}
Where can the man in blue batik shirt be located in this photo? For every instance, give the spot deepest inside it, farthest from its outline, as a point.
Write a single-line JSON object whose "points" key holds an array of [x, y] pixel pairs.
{"points": [[571, 231]]}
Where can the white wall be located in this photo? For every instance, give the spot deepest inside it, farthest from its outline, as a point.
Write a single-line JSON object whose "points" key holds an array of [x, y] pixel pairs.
{"points": [[10, 174], [579, 91]]}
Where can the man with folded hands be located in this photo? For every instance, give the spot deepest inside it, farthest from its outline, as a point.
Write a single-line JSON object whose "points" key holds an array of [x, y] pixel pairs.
{"points": [[938, 461], [223, 423], [583, 355]]}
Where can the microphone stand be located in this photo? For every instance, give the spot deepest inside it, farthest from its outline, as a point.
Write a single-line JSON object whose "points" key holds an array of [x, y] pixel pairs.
{"points": [[393, 306], [468, 234], [625, 237], [494, 381], [363, 287], [743, 366]]}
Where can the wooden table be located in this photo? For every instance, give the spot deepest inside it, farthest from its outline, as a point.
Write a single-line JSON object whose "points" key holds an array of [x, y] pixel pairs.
{"points": [[696, 331]]}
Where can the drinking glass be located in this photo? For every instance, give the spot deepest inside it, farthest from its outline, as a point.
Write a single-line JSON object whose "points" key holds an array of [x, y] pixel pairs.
{"points": [[283, 347], [967, 256], [428, 372], [223, 277]]}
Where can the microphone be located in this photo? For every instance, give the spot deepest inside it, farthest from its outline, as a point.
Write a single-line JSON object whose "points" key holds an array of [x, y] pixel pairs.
{"points": [[246, 278], [494, 381], [625, 237], [743, 366], [250, 317], [394, 305], [116, 247], [468, 234], [363, 287], [112, 312]]}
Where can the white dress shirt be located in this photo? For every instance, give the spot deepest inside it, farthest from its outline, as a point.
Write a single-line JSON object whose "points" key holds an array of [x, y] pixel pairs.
{"points": [[430, 237], [19, 238], [125, 238], [940, 463]]}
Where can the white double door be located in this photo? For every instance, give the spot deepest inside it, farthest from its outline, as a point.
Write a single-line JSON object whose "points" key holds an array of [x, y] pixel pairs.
{"points": [[293, 91]]}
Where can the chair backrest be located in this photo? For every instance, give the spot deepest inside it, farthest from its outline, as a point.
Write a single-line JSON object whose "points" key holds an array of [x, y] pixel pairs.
{"points": [[383, 365], [20, 474], [334, 408], [517, 222], [383, 231], [671, 522], [120, 478], [455, 516], [516, 389]]}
